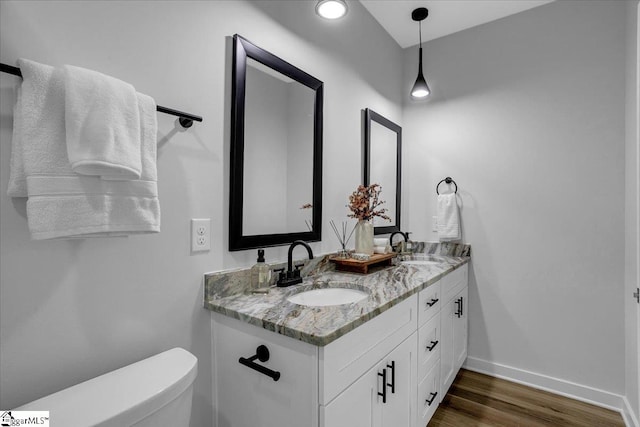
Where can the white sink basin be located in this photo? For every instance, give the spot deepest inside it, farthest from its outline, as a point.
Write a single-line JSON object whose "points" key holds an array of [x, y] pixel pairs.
{"points": [[419, 262], [423, 260], [328, 296]]}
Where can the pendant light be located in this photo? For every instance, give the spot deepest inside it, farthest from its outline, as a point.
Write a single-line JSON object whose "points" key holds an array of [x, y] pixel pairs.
{"points": [[420, 87], [331, 9]]}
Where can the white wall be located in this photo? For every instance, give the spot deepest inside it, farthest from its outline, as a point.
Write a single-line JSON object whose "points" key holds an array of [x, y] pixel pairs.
{"points": [[632, 212], [527, 116], [72, 310]]}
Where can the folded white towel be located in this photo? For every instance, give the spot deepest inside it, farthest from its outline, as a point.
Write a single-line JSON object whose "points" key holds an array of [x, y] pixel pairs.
{"points": [[102, 125], [384, 249], [448, 217], [63, 204], [38, 144], [380, 241]]}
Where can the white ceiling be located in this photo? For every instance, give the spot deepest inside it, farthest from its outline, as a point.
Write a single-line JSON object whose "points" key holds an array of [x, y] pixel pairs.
{"points": [[445, 16]]}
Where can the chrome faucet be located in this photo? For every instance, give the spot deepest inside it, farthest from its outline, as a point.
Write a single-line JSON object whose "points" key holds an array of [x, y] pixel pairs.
{"points": [[292, 276]]}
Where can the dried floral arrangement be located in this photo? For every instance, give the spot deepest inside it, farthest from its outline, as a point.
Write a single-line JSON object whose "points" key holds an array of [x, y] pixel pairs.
{"points": [[306, 221], [364, 203]]}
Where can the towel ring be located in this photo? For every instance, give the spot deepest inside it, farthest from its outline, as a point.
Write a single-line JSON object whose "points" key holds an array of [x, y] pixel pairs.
{"points": [[447, 180]]}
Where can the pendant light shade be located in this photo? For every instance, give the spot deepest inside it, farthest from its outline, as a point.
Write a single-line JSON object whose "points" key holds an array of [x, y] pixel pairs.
{"points": [[420, 87], [331, 9]]}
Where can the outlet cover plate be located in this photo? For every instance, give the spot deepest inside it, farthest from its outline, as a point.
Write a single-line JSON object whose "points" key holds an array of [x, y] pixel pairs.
{"points": [[200, 235]]}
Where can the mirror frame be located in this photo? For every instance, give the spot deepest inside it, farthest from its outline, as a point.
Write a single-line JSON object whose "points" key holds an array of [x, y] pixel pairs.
{"points": [[243, 49], [369, 116]]}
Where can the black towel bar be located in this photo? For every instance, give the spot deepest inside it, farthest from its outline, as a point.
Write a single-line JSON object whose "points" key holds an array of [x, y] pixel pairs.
{"points": [[447, 180], [185, 119]]}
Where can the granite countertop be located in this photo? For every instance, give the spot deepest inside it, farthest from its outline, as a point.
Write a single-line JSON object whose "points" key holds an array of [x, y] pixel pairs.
{"points": [[322, 325]]}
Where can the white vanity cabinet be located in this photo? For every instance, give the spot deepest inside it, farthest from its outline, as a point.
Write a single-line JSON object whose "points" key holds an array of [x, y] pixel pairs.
{"points": [[364, 378], [454, 324], [391, 371]]}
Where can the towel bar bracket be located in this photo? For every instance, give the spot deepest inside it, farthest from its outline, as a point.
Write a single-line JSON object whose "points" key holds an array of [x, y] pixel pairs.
{"points": [[185, 119]]}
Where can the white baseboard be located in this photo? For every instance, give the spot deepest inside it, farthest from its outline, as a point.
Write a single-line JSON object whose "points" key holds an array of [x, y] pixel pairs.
{"points": [[630, 419], [565, 388]]}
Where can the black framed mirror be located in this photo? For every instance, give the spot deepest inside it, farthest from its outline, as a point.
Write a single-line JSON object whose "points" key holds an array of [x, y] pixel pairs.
{"points": [[276, 151], [383, 165]]}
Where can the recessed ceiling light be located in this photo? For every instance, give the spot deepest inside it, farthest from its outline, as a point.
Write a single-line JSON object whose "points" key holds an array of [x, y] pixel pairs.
{"points": [[331, 9]]}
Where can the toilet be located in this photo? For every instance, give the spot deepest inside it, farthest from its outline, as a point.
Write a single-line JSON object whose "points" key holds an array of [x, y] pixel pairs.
{"points": [[152, 392]]}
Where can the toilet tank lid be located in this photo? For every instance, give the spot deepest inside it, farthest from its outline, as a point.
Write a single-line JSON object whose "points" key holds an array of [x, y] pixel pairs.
{"points": [[123, 396]]}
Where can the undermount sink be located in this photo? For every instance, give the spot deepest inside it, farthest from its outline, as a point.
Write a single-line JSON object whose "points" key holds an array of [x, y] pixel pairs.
{"points": [[328, 296], [422, 260], [419, 262]]}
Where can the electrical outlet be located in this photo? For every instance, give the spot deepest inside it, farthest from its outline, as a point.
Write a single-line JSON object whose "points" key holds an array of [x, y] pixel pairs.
{"points": [[200, 235]]}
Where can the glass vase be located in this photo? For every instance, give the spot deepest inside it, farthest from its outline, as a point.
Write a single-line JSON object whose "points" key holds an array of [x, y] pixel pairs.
{"points": [[364, 237]]}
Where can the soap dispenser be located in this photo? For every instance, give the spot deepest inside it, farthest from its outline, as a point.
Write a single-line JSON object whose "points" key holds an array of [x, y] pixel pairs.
{"points": [[260, 275]]}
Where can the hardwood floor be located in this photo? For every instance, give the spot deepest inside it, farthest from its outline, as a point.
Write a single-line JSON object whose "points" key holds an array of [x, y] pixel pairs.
{"points": [[479, 400]]}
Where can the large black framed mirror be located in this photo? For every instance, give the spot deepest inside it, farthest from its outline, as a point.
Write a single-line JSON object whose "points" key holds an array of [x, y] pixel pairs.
{"points": [[276, 151], [383, 165]]}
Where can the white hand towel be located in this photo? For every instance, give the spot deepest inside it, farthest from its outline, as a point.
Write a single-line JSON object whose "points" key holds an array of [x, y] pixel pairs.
{"points": [[38, 144], [380, 241], [102, 125], [63, 204], [448, 217], [383, 249]]}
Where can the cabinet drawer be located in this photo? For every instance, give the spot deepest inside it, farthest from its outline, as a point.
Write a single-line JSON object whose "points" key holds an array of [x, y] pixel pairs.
{"points": [[453, 282], [344, 360], [428, 346], [429, 300], [428, 396]]}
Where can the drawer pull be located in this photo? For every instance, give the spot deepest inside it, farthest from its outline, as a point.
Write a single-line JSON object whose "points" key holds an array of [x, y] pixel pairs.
{"points": [[262, 354], [432, 397], [459, 309], [384, 385], [432, 346], [393, 376], [433, 301]]}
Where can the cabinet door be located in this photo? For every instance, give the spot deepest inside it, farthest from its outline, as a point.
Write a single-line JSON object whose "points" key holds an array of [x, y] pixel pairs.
{"points": [[453, 335], [357, 406], [447, 368], [399, 410], [460, 329], [246, 397], [382, 397]]}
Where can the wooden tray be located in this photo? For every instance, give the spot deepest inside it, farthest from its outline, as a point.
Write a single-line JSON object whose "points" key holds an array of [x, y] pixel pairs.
{"points": [[356, 266]]}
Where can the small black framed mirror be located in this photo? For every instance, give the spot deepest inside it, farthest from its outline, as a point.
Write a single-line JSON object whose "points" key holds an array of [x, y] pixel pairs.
{"points": [[275, 192], [382, 164]]}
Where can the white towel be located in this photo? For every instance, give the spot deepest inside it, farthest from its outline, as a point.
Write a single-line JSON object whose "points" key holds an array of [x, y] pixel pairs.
{"points": [[448, 217], [61, 203], [380, 241], [102, 125], [383, 249], [38, 144]]}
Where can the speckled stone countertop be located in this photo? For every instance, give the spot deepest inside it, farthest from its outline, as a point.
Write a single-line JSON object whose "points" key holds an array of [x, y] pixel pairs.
{"points": [[322, 325]]}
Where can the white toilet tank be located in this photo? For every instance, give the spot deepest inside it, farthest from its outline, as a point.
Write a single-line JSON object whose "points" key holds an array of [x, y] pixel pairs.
{"points": [[152, 392]]}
